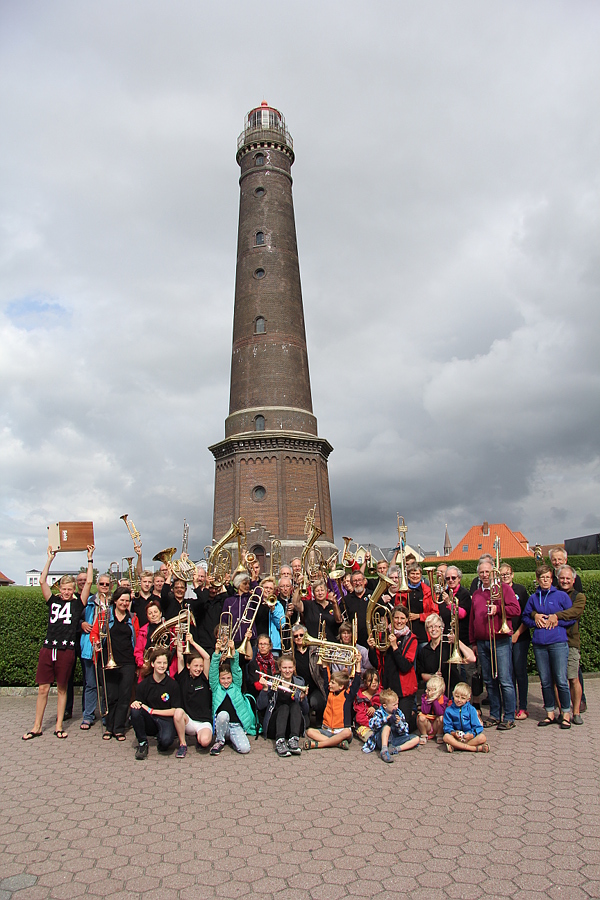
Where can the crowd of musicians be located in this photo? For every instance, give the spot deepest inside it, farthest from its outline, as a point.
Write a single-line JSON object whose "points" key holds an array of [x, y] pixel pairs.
{"points": [[306, 662]]}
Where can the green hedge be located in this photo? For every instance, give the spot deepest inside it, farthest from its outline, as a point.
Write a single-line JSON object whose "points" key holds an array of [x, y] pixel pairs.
{"points": [[24, 616], [526, 564]]}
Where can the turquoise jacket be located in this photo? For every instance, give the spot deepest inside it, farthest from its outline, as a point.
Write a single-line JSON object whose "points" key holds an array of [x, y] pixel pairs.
{"points": [[240, 703]]}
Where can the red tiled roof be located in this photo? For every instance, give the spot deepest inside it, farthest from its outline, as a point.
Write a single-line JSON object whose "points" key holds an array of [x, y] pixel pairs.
{"points": [[512, 543], [4, 579]]}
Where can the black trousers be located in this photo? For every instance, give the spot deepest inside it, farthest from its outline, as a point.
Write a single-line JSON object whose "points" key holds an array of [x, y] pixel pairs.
{"points": [[119, 683], [317, 703], [406, 705], [286, 721]]}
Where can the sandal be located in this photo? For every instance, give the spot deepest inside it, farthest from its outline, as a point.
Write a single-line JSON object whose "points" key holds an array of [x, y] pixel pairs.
{"points": [[546, 721], [85, 726], [483, 748], [61, 735], [522, 714], [30, 735], [490, 723], [107, 736], [449, 748], [439, 739], [423, 739], [566, 723], [119, 737], [311, 745]]}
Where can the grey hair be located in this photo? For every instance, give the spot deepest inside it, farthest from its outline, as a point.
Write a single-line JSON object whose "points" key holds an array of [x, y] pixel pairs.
{"points": [[455, 569], [485, 559], [393, 570], [566, 566], [240, 578], [557, 550]]}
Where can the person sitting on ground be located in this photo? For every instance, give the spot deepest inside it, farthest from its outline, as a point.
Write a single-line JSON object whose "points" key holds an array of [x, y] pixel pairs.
{"points": [[430, 720], [287, 710], [194, 717], [390, 729], [232, 713], [57, 655], [366, 704], [336, 730], [157, 699], [462, 728]]}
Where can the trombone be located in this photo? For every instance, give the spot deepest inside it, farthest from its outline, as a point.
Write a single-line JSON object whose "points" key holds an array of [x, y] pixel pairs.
{"points": [[248, 618], [287, 641]]}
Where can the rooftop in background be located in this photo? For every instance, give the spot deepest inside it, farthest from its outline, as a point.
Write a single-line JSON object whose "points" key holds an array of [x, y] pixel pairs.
{"points": [[480, 539], [4, 580]]}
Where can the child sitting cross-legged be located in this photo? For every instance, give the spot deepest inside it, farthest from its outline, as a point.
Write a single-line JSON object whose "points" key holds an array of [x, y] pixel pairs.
{"points": [[430, 721], [234, 718], [390, 729], [336, 730], [462, 728]]}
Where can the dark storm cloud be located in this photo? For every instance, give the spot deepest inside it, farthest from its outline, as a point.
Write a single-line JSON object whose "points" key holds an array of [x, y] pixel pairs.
{"points": [[446, 196]]}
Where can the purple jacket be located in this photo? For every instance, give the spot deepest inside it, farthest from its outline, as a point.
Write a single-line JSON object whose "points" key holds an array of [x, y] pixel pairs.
{"points": [[546, 603]]}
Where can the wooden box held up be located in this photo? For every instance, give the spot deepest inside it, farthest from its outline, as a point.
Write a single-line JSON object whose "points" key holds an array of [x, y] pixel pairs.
{"points": [[70, 536]]}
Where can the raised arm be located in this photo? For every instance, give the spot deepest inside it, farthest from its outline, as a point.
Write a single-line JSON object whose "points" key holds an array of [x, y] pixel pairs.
{"points": [[90, 575], [46, 592]]}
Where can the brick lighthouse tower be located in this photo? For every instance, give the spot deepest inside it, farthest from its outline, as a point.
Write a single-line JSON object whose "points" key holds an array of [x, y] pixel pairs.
{"points": [[272, 466]]}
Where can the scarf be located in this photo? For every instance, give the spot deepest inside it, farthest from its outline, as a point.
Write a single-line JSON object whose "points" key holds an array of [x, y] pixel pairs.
{"points": [[266, 664]]}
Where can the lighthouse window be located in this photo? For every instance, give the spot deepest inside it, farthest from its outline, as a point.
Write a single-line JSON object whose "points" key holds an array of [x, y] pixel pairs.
{"points": [[259, 325], [260, 237], [259, 423], [259, 159], [259, 492], [259, 273], [259, 191]]}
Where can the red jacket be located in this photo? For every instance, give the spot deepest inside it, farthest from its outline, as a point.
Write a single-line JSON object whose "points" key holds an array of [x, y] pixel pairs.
{"points": [[429, 605]]}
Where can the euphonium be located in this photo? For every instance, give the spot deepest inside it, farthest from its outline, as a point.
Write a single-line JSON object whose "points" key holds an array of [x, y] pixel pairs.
{"points": [[219, 558], [331, 653], [377, 627], [313, 536]]}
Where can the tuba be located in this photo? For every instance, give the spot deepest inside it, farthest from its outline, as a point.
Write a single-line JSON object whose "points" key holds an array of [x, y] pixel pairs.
{"points": [[379, 622], [313, 534], [275, 559]]}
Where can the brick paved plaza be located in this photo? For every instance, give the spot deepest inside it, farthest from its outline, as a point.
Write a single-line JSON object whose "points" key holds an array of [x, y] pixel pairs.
{"points": [[81, 817]]}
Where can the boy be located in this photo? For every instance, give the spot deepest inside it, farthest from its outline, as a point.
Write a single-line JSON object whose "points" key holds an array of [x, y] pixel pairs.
{"points": [[234, 718], [336, 730], [462, 728], [390, 729]]}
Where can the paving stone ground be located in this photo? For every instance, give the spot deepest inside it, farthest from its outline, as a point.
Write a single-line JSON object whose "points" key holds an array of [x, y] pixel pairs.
{"points": [[82, 818]]}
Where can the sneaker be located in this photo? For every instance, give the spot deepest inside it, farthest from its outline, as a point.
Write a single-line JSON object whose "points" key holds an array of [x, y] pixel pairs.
{"points": [[294, 746], [181, 751], [142, 751], [386, 756], [216, 748], [282, 748]]}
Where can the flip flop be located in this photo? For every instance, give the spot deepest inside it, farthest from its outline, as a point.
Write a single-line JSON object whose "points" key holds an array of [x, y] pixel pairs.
{"points": [[30, 735], [522, 714], [107, 736], [61, 735], [85, 726], [119, 737]]}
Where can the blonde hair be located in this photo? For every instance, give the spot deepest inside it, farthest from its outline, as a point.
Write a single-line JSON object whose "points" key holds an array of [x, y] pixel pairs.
{"points": [[342, 678], [437, 683], [388, 696], [462, 688]]}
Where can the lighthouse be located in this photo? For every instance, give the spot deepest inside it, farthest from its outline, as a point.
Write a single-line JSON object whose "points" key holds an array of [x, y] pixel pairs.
{"points": [[271, 467]]}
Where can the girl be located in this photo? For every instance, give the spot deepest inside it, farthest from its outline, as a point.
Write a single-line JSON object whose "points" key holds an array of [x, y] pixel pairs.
{"points": [[143, 644], [430, 721], [286, 711], [195, 716], [233, 715], [366, 703], [157, 698], [123, 631]]}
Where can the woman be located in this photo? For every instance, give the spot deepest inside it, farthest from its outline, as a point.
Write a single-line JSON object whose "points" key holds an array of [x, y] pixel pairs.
{"points": [[432, 658], [550, 644], [123, 630], [143, 644], [397, 665], [307, 668], [418, 601], [323, 608], [236, 606], [270, 614]]}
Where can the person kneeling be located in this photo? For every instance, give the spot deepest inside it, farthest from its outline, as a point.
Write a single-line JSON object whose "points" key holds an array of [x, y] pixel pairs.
{"points": [[390, 729], [157, 698], [234, 718], [462, 728], [337, 718]]}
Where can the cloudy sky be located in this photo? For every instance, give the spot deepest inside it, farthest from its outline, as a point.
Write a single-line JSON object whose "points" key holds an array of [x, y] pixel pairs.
{"points": [[446, 189]]}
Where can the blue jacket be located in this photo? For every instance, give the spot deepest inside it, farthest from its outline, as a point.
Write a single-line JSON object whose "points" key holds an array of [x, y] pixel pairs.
{"points": [[462, 718], [275, 617], [546, 603]]}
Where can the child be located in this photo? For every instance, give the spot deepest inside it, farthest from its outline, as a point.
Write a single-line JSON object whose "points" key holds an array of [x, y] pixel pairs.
{"points": [[430, 721], [233, 715], [195, 718], [462, 728], [157, 698], [337, 718], [390, 729], [366, 703], [286, 710]]}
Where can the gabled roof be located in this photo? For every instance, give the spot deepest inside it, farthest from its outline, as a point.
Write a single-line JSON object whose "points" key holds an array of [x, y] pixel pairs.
{"points": [[475, 543], [4, 579]]}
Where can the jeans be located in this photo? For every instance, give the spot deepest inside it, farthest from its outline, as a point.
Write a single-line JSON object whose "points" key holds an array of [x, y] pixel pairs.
{"points": [[162, 726], [90, 692], [233, 730], [520, 680], [551, 661], [501, 690]]}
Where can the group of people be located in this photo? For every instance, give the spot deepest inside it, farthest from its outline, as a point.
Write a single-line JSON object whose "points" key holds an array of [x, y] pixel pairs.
{"points": [[245, 657]]}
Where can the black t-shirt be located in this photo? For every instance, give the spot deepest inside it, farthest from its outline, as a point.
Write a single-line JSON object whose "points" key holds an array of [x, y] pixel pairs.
{"points": [[121, 642], [428, 661], [522, 596], [63, 622], [357, 606], [228, 707], [161, 695], [313, 613], [303, 669], [196, 697], [139, 608], [464, 602]]}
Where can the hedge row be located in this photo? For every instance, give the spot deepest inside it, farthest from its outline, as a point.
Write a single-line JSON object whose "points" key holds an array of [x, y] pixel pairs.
{"points": [[526, 564], [24, 616]]}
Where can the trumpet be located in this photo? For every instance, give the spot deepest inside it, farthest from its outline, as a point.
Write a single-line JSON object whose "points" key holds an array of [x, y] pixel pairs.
{"points": [[277, 683], [113, 575], [378, 624], [135, 535], [225, 635]]}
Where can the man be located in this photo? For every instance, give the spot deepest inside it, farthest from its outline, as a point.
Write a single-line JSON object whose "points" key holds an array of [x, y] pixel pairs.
{"points": [[356, 605], [57, 655], [285, 589], [453, 576], [566, 580], [207, 609], [558, 557], [296, 569], [496, 667], [286, 571], [475, 584], [88, 661], [142, 598]]}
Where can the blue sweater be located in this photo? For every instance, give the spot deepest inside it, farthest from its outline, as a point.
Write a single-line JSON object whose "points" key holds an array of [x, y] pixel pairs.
{"points": [[546, 603], [462, 718]]}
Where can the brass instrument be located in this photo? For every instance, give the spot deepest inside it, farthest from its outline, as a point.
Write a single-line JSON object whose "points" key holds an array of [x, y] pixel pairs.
{"points": [[135, 535], [505, 627], [287, 641], [247, 618], [134, 579], [314, 534], [347, 556], [538, 554], [379, 625], [225, 635], [277, 683], [274, 571], [114, 575], [401, 554], [165, 556], [177, 629], [183, 568], [219, 562], [456, 657], [331, 653], [102, 604], [338, 576]]}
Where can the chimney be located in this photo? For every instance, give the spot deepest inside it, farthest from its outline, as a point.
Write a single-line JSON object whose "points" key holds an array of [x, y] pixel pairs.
{"points": [[486, 529]]}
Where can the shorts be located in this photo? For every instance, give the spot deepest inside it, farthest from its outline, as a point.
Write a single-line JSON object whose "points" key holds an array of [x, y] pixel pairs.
{"points": [[193, 727], [329, 732], [573, 664], [395, 740], [54, 666]]}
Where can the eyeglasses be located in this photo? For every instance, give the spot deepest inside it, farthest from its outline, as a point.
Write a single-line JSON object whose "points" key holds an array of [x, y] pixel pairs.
{"points": [[506, 575], [452, 577]]}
